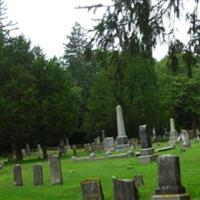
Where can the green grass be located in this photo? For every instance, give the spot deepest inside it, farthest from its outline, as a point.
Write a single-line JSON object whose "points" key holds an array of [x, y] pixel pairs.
{"points": [[103, 169]]}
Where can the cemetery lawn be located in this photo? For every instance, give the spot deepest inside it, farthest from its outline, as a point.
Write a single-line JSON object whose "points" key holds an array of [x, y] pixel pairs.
{"points": [[75, 172]]}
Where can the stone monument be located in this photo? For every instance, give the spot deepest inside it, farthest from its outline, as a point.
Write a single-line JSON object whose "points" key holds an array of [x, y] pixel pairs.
{"points": [[169, 180], [92, 190], [122, 139], [37, 174], [147, 152], [173, 133], [56, 171], [185, 139], [17, 171], [125, 189]]}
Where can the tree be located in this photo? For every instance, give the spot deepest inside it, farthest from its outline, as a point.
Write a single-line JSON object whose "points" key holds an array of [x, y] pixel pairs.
{"points": [[58, 101]]}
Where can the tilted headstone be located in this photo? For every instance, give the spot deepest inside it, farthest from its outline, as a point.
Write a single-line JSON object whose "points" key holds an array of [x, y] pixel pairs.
{"points": [[125, 189], [147, 152], [17, 171], [122, 139], [169, 180], [92, 190], [37, 174], [56, 171], [173, 133]]}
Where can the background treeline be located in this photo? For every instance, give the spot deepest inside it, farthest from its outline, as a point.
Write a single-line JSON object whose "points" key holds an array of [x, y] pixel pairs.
{"points": [[43, 101]]}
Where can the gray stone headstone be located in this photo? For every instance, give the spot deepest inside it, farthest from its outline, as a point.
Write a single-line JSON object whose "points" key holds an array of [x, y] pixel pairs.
{"points": [[145, 136], [185, 139], [169, 179], [109, 143], [62, 148], [17, 171], [125, 189], [92, 190], [56, 171], [122, 139], [37, 174], [173, 135]]}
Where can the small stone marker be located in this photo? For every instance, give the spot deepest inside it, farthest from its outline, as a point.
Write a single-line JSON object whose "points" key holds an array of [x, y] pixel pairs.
{"points": [[125, 189], [17, 171], [55, 168], [37, 174], [139, 180], [92, 190], [169, 180]]}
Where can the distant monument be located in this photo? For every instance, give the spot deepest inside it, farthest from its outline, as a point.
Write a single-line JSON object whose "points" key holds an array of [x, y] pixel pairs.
{"points": [[122, 139]]}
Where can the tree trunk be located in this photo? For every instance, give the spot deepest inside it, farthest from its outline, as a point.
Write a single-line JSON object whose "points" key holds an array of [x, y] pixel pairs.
{"points": [[194, 121], [44, 151]]}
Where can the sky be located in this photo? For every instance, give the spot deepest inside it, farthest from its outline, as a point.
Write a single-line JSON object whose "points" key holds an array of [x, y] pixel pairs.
{"points": [[47, 22]]}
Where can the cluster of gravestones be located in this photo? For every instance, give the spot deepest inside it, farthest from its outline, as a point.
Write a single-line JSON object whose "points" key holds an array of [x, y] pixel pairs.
{"points": [[55, 169], [169, 181], [169, 184]]}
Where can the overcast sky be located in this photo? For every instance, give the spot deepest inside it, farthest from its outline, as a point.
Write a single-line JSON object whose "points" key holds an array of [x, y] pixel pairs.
{"points": [[47, 22]]}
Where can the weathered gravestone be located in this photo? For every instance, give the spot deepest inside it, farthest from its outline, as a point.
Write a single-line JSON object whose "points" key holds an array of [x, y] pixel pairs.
{"points": [[147, 152], [17, 171], [56, 171], [122, 139], [108, 143], [125, 189], [62, 148], [92, 190], [173, 133], [37, 174], [169, 180], [185, 139]]}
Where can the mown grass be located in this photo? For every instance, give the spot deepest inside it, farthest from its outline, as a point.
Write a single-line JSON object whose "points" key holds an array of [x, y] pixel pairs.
{"points": [[75, 172]]}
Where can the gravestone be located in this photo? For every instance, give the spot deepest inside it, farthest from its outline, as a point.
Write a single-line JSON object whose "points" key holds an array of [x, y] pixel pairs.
{"points": [[147, 152], [154, 135], [125, 189], [17, 171], [92, 190], [109, 143], [103, 135], [169, 180], [37, 174], [122, 139], [56, 171], [62, 148], [185, 139], [28, 149], [173, 133]]}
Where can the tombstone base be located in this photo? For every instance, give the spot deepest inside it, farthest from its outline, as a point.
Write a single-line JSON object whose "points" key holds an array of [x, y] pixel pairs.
{"points": [[171, 197], [147, 152], [122, 147], [148, 158]]}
